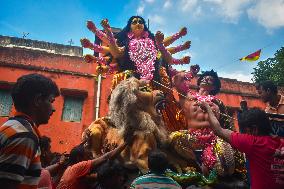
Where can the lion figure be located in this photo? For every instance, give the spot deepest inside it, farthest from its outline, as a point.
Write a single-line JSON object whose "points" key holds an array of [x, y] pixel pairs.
{"points": [[134, 110]]}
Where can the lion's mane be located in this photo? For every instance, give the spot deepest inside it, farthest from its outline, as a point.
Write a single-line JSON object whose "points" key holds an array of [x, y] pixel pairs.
{"points": [[127, 117]]}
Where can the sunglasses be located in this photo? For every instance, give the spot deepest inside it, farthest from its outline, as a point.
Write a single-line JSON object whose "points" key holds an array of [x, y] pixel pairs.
{"points": [[134, 22]]}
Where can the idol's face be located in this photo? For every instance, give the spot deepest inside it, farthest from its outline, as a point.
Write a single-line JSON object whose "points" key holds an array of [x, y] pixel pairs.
{"points": [[137, 26]]}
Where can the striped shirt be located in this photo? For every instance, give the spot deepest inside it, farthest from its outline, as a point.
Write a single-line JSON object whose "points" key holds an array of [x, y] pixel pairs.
{"points": [[154, 181], [20, 152]]}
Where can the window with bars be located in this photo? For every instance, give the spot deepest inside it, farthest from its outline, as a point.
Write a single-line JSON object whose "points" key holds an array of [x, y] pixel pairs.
{"points": [[72, 109], [5, 103]]}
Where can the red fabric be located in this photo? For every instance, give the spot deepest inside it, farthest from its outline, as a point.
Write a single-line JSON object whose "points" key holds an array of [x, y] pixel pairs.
{"points": [[45, 180], [72, 175], [252, 55], [266, 171]]}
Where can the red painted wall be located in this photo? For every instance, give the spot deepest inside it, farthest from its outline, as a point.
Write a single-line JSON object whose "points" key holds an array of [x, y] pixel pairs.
{"points": [[64, 135]]}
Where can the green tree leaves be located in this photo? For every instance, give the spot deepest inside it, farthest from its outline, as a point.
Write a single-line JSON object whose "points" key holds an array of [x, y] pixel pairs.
{"points": [[271, 69]]}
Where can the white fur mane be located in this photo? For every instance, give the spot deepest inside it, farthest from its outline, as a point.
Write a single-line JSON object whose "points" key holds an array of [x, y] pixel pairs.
{"points": [[126, 116]]}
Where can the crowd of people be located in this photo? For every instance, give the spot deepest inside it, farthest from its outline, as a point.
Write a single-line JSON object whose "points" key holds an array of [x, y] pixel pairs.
{"points": [[26, 160]]}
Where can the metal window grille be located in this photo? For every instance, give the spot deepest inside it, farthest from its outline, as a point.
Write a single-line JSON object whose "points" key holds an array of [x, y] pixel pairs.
{"points": [[72, 110], [5, 103]]}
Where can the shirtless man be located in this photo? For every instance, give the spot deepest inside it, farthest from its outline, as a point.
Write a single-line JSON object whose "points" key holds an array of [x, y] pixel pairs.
{"points": [[209, 85], [199, 137]]}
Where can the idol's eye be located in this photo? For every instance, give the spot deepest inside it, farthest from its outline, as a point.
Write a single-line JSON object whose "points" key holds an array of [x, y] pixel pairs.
{"points": [[137, 21], [145, 89], [134, 22], [140, 22]]}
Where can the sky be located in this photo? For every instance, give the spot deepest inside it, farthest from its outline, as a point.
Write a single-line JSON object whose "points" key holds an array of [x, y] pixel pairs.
{"points": [[221, 31]]}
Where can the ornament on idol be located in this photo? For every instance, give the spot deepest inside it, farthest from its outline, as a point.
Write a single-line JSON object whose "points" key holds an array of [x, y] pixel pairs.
{"points": [[201, 98], [143, 53]]}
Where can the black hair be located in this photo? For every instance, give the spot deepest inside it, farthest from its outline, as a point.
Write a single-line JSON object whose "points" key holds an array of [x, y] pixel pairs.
{"points": [[29, 86], [268, 85], [56, 158], [44, 143], [157, 162], [76, 153], [229, 182], [257, 118], [244, 105], [109, 169], [217, 82]]}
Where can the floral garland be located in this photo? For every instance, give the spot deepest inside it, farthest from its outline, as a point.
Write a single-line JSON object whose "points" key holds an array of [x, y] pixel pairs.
{"points": [[143, 53], [201, 98], [204, 136], [98, 48], [206, 139], [176, 36], [178, 61], [208, 157]]}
